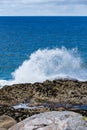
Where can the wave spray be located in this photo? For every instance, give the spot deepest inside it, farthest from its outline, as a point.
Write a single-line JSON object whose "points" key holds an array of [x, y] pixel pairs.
{"points": [[49, 64]]}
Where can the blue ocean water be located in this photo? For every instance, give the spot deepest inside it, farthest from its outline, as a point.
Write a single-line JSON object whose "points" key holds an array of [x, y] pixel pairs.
{"points": [[38, 48]]}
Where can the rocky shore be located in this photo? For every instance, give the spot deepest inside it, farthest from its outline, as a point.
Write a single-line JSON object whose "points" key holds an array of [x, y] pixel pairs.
{"points": [[62, 91], [56, 95]]}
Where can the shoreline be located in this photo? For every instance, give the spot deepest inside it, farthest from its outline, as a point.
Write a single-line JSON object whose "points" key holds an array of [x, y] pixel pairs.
{"points": [[61, 90], [56, 95]]}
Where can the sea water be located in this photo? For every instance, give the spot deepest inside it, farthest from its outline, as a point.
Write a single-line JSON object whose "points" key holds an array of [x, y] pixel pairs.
{"points": [[34, 49]]}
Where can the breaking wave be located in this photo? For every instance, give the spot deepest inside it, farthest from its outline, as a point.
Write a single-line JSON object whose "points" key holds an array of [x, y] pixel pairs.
{"points": [[49, 64]]}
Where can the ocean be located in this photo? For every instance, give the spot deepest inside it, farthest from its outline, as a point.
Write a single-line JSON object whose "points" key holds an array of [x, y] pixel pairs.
{"points": [[35, 49]]}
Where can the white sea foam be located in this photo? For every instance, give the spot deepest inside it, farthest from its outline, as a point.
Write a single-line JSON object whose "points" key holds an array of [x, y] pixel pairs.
{"points": [[26, 106], [49, 64]]}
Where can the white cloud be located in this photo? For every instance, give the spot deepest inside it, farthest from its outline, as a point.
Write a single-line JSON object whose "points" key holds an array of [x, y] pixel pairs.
{"points": [[43, 7]]}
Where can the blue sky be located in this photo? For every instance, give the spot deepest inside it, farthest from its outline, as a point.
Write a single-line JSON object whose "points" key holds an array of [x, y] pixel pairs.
{"points": [[43, 7]]}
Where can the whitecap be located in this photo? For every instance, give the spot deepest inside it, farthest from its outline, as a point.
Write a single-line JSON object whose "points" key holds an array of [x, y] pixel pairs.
{"points": [[49, 64]]}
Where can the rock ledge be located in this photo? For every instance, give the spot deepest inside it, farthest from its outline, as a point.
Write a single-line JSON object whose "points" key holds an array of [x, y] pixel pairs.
{"points": [[54, 120]]}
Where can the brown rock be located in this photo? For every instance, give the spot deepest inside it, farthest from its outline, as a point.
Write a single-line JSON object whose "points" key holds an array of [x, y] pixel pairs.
{"points": [[3, 129], [62, 91], [6, 122], [60, 109]]}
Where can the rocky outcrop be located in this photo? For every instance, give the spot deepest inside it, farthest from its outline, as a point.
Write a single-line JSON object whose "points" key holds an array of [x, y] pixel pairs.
{"points": [[53, 120], [62, 91], [56, 95], [6, 122], [20, 114]]}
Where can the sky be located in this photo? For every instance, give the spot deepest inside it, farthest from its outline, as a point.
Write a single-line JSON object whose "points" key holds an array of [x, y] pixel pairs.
{"points": [[43, 7]]}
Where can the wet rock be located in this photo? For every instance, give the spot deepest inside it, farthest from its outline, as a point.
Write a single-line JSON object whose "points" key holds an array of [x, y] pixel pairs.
{"points": [[53, 120], [6, 122], [20, 114]]}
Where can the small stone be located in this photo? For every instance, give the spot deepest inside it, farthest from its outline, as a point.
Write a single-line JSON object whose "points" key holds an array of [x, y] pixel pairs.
{"points": [[3, 129], [6, 122]]}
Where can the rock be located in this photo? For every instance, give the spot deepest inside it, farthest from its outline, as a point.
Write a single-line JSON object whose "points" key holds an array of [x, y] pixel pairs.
{"points": [[48, 94], [60, 109], [21, 113], [6, 122], [62, 91], [3, 129], [65, 120]]}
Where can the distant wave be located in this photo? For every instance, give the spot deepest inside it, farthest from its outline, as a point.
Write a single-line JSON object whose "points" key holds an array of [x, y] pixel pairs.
{"points": [[49, 64]]}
